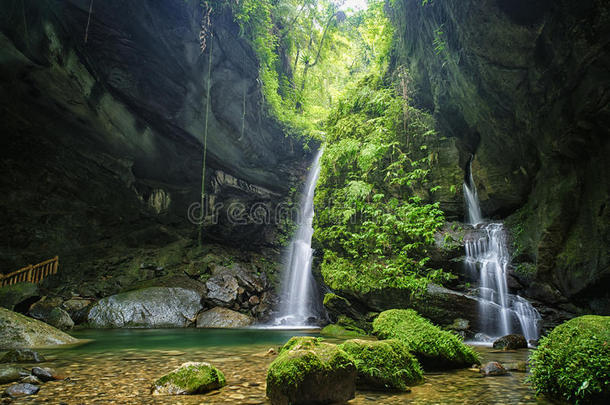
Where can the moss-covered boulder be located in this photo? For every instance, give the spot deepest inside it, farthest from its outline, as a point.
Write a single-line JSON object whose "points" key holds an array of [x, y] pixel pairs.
{"points": [[309, 371], [338, 331], [12, 295], [573, 361], [18, 331], [188, 379], [384, 364], [433, 347]]}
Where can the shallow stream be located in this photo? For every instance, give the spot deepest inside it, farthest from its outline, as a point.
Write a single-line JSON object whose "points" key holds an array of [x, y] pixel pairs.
{"points": [[119, 366]]}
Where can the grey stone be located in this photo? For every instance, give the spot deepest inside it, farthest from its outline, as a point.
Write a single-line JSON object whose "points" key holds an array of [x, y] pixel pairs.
{"points": [[155, 307], [223, 318], [19, 331]]}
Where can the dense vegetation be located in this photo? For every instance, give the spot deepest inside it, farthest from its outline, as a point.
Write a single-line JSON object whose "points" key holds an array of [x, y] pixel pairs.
{"points": [[371, 222], [573, 361]]}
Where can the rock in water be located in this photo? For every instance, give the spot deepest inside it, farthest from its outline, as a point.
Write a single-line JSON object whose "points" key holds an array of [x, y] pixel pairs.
{"points": [[434, 348], [308, 371], [155, 307], [22, 356], [492, 369], [384, 364], [31, 379], [45, 374], [510, 342], [10, 373], [19, 331], [21, 390], [223, 318], [188, 379]]}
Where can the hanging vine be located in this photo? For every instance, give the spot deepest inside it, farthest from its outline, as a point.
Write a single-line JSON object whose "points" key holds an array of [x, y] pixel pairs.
{"points": [[88, 21], [205, 36]]}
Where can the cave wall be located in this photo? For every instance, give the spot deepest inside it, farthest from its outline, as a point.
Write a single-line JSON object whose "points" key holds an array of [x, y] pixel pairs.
{"points": [[101, 140], [524, 86]]}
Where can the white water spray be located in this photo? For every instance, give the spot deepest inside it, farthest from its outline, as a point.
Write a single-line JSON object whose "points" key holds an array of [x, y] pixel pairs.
{"points": [[500, 313], [298, 285]]}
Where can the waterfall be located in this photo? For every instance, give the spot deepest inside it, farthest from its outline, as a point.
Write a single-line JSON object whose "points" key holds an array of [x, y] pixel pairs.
{"points": [[298, 287], [488, 259]]}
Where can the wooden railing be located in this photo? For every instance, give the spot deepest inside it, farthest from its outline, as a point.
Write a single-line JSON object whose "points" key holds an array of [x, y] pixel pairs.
{"points": [[31, 274]]}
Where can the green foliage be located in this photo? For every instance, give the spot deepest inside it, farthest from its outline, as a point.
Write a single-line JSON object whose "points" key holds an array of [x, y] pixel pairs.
{"points": [[338, 331], [433, 347], [385, 364], [374, 229], [573, 361]]}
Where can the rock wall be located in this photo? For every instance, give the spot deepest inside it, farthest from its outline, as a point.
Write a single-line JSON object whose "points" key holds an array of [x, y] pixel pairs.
{"points": [[524, 87], [102, 139]]}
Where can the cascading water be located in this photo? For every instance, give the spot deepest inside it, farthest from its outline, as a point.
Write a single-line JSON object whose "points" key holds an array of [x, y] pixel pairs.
{"points": [[298, 288], [487, 257]]}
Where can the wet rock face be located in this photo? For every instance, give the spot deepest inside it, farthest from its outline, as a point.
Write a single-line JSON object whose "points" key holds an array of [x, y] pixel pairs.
{"points": [[493, 369], [154, 307], [21, 390], [520, 85], [122, 118]]}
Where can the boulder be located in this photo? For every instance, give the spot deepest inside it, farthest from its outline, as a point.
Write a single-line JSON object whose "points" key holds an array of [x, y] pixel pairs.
{"points": [[223, 318], [22, 356], [433, 347], [189, 379], [245, 278], [222, 290], [41, 309], [60, 319], [75, 307], [21, 390], [384, 364], [510, 342], [19, 331], [155, 307], [46, 374], [10, 373], [12, 295], [492, 369], [308, 371], [572, 363]]}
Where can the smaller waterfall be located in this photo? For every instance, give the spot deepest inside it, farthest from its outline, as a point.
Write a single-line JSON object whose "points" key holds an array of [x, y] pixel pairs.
{"points": [[298, 286], [487, 258]]}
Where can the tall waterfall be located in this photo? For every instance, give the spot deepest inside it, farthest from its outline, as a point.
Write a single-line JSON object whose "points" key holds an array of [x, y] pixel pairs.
{"points": [[487, 257], [298, 287]]}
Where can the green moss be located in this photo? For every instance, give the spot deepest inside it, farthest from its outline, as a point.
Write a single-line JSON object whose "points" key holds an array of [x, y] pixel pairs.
{"points": [[338, 331], [385, 364], [573, 361], [434, 348], [191, 378], [304, 361]]}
